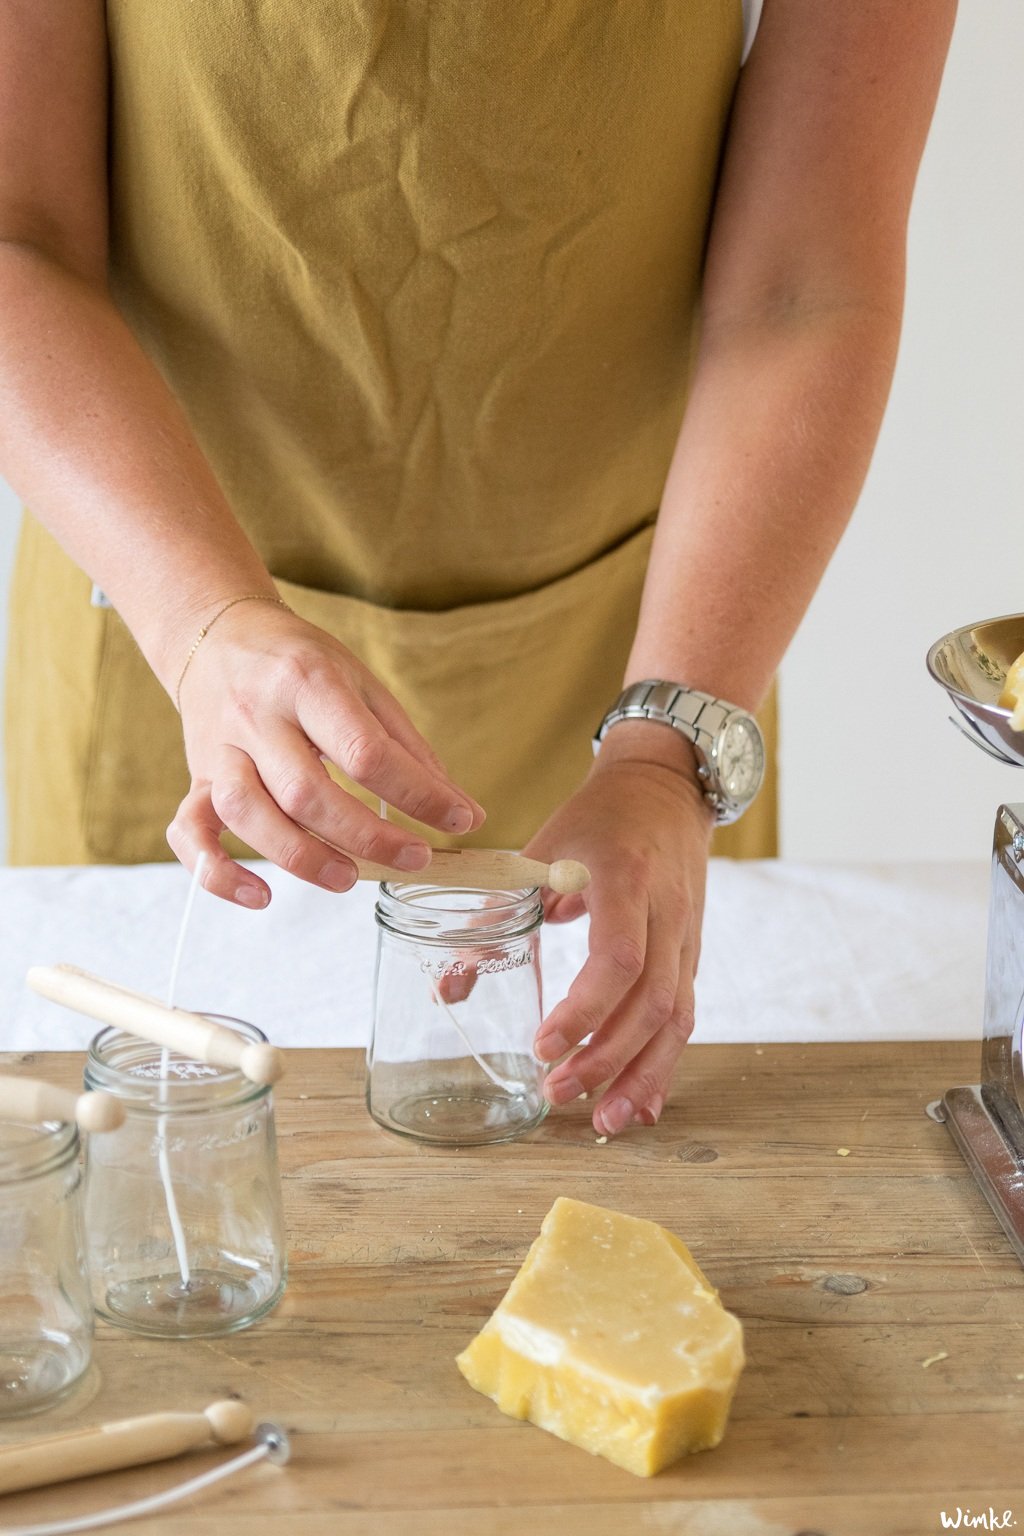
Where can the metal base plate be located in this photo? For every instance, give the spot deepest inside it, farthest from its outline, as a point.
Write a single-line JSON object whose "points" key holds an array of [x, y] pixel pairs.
{"points": [[991, 1153]]}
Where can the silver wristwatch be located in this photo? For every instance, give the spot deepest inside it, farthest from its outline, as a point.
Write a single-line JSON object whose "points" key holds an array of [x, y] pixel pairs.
{"points": [[727, 740]]}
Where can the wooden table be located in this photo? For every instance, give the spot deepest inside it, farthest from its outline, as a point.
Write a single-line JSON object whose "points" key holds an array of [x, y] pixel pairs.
{"points": [[850, 1274]]}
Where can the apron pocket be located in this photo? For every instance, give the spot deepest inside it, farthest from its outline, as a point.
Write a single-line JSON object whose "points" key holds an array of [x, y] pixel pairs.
{"points": [[510, 692]]}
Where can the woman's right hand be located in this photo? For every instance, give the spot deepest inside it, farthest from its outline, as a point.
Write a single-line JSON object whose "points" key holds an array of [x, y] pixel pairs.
{"points": [[265, 701]]}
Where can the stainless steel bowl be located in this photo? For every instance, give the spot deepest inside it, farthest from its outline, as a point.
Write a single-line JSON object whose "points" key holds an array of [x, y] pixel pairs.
{"points": [[971, 664]]}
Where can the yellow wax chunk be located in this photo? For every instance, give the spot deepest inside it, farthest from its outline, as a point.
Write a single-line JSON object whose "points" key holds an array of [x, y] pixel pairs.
{"points": [[611, 1337], [1012, 696]]}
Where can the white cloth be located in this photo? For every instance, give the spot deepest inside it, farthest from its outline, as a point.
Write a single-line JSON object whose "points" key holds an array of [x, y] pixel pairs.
{"points": [[751, 18], [790, 952]]}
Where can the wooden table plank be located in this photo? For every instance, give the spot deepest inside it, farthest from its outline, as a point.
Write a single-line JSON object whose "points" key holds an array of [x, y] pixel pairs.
{"points": [[849, 1274]]}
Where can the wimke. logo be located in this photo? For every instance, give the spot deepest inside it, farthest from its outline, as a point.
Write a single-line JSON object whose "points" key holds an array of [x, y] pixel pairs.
{"points": [[987, 1520]]}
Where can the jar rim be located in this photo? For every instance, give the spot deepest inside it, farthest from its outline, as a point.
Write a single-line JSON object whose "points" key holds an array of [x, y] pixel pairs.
{"points": [[29, 1151], [434, 914], [190, 1086], [406, 891]]}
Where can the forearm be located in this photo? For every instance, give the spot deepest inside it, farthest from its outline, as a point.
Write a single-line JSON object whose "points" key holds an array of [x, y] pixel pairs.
{"points": [[94, 442], [772, 455]]}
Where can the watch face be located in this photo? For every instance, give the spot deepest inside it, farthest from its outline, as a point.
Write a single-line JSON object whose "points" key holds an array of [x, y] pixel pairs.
{"points": [[740, 758]]}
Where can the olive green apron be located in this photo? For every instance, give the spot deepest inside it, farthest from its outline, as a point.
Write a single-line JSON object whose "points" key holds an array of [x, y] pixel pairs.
{"points": [[424, 275]]}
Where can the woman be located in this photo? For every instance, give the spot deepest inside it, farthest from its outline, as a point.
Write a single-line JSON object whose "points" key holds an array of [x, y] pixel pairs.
{"points": [[524, 352]]}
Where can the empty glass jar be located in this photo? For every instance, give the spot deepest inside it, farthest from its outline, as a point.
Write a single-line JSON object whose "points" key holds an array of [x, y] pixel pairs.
{"points": [[46, 1321], [183, 1201], [457, 1002]]}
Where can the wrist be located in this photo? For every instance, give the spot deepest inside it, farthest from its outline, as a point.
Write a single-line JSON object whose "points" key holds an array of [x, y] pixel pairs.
{"points": [[218, 614], [649, 741], [174, 633], [650, 744], [727, 741], [644, 747]]}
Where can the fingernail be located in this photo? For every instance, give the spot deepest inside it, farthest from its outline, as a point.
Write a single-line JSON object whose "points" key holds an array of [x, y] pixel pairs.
{"points": [[459, 818], [550, 1047], [616, 1116], [252, 896], [413, 856], [650, 1113], [563, 1090], [337, 876]]}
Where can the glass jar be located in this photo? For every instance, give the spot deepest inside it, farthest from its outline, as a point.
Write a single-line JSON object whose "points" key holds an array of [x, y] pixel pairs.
{"points": [[183, 1201], [46, 1321], [457, 1002]]}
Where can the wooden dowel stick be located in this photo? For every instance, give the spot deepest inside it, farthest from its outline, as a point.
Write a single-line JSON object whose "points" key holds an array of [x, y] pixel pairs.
{"points": [[29, 1101], [179, 1030], [485, 869], [123, 1443]]}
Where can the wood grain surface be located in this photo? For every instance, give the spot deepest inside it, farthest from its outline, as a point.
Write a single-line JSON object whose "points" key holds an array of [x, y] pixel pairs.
{"points": [[848, 1272]]}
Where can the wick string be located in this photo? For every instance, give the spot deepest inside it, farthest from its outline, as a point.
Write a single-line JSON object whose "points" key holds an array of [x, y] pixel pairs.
{"points": [[177, 1230], [179, 948], [148, 1505], [495, 1077]]}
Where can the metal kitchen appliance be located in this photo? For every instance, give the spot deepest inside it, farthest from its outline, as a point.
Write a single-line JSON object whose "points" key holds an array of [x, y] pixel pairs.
{"points": [[986, 1119]]}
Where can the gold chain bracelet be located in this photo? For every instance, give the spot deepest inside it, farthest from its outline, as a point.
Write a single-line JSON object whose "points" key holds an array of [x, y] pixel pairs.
{"points": [[247, 597]]}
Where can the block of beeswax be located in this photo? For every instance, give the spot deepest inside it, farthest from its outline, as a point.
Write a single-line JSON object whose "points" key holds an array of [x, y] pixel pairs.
{"points": [[611, 1337], [1012, 696]]}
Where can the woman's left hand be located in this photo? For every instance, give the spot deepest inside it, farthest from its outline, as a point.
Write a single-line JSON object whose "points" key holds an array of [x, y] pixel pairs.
{"points": [[642, 826]]}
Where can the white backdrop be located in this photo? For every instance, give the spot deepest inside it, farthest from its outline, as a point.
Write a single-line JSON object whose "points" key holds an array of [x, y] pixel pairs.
{"points": [[870, 770]]}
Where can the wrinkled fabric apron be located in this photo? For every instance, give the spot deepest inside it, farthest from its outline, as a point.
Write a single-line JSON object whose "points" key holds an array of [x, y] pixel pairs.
{"points": [[424, 275]]}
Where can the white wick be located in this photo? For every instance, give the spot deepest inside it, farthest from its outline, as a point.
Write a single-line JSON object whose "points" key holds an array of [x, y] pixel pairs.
{"points": [[504, 1083], [177, 1231]]}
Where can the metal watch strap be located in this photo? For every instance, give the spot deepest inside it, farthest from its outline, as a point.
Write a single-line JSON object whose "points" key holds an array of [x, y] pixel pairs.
{"points": [[688, 711], [695, 715]]}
